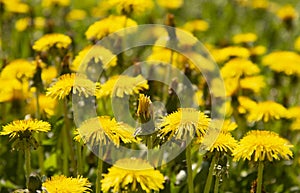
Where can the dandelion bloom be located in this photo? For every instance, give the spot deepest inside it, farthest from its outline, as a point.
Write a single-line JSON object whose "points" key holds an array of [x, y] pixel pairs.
{"points": [[297, 44], [244, 38], [196, 25], [52, 40], [19, 69], [253, 83], [144, 107], [49, 3], [287, 13], [267, 110], [104, 27], [186, 122], [128, 7], [94, 54], [19, 128], [238, 67], [76, 83], [132, 174], [122, 85], [283, 61], [76, 15], [16, 6], [294, 114], [47, 105], [170, 4], [59, 184], [100, 130], [259, 145], [223, 54]]}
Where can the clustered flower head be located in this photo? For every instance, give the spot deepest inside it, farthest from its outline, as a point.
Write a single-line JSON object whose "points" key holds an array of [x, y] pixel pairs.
{"points": [[48, 41], [260, 145], [132, 174]]}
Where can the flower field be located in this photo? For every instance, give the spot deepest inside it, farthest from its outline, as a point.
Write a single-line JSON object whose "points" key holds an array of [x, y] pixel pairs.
{"points": [[173, 96]]}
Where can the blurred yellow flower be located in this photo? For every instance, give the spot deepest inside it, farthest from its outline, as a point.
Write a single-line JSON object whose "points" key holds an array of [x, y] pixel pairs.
{"points": [[20, 128], [94, 54], [48, 74], [52, 3], [224, 126], [128, 7], [22, 24], [245, 104], [101, 130], [76, 15], [102, 28], [133, 175], [244, 38], [62, 184], [184, 123], [283, 61], [266, 111], [48, 41], [15, 6], [75, 83], [253, 83], [297, 44], [196, 25], [122, 85], [20, 69], [259, 145], [223, 54], [47, 105], [239, 67], [294, 114], [170, 4], [257, 50], [287, 13], [144, 107], [12, 89]]}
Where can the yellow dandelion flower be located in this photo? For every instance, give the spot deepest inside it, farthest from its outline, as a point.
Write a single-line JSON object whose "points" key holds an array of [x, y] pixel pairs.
{"points": [[245, 104], [199, 98], [223, 142], [132, 174], [76, 83], [76, 15], [223, 54], [122, 85], [48, 41], [101, 130], [295, 124], [297, 44], [283, 61], [244, 38], [294, 114], [253, 83], [102, 28], [128, 7], [47, 105], [186, 122], [16, 6], [48, 74], [196, 25], [62, 184], [52, 3], [287, 13], [20, 69], [95, 54], [19, 128], [22, 24], [39, 22], [231, 86], [238, 67], [224, 126], [259, 145], [175, 4], [144, 108], [257, 50], [12, 89], [267, 110]]}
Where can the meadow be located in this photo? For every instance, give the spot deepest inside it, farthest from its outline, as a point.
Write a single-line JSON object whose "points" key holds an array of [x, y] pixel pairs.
{"points": [[173, 96]]}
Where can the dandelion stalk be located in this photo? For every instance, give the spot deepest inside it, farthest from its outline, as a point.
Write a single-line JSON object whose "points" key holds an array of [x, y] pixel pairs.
{"points": [[259, 176], [27, 165], [190, 180], [79, 159], [217, 181], [99, 171], [210, 174]]}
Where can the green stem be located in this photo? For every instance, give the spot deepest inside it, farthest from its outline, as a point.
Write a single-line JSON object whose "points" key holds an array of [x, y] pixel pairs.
{"points": [[65, 152], [99, 171], [217, 181], [190, 179], [259, 176], [27, 165], [210, 175], [68, 140], [168, 75], [79, 159]]}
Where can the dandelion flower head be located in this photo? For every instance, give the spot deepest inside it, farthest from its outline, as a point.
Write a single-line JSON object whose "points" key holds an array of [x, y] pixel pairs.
{"points": [[59, 41], [244, 38], [62, 184], [132, 174], [184, 123], [259, 145], [128, 7]]}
